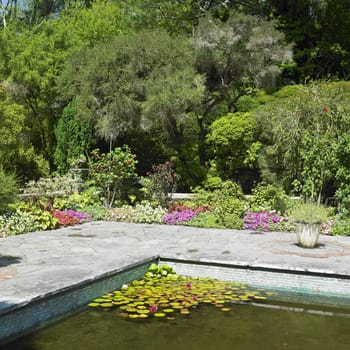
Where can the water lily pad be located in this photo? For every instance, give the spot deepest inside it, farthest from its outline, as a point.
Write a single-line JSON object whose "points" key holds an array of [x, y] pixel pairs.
{"points": [[94, 304], [225, 309], [106, 305], [143, 312], [102, 300], [159, 314], [168, 311], [131, 309], [185, 312]]}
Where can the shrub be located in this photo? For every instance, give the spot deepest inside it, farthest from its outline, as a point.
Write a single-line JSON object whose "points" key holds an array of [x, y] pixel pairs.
{"points": [[141, 213], [8, 189], [266, 221], [69, 217], [87, 202], [50, 188], [27, 218], [270, 198], [41, 214], [227, 202], [145, 213], [161, 183], [179, 217], [207, 219], [340, 226], [110, 173]]}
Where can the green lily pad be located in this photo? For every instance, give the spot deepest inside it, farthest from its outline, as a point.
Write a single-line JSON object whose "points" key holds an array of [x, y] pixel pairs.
{"points": [[94, 304]]}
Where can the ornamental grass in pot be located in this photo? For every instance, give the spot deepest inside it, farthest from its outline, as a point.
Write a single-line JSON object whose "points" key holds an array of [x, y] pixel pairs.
{"points": [[308, 218]]}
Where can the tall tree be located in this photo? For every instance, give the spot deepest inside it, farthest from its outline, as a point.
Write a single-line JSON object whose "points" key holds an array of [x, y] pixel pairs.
{"points": [[33, 57], [143, 80], [235, 56], [319, 30]]}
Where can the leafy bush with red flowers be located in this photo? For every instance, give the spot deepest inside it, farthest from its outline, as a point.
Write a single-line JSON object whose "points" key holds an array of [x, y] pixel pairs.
{"points": [[69, 217]]}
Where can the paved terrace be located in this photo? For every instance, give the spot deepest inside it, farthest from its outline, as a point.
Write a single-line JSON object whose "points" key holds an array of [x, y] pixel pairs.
{"points": [[40, 263], [45, 274]]}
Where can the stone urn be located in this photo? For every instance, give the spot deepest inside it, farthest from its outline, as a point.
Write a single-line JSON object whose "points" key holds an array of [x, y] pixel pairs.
{"points": [[308, 234], [308, 218]]}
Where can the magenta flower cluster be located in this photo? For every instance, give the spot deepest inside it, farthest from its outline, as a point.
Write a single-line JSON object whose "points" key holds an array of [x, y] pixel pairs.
{"points": [[262, 220], [179, 217], [69, 217]]}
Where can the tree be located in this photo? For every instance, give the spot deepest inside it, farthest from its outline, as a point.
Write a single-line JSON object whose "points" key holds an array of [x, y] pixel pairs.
{"points": [[230, 139], [32, 58], [319, 30], [111, 171], [16, 151], [143, 80], [235, 56], [304, 133], [8, 10], [74, 139]]}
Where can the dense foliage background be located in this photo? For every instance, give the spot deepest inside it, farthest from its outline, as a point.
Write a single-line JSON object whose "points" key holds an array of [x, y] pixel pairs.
{"points": [[244, 91]]}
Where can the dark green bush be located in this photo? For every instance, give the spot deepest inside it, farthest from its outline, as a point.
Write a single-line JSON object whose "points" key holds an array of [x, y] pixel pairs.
{"points": [[8, 189], [269, 197], [226, 203]]}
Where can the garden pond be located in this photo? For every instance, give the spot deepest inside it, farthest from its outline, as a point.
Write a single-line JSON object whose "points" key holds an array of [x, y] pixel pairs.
{"points": [[167, 311]]}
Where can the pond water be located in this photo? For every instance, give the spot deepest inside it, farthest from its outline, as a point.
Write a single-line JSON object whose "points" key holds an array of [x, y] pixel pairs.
{"points": [[246, 326]]}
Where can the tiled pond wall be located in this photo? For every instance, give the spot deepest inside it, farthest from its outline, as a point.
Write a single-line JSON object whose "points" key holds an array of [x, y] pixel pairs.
{"points": [[19, 319], [289, 285], [295, 286]]}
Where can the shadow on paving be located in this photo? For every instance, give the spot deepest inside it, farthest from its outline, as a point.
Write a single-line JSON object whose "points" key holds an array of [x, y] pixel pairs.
{"points": [[6, 260]]}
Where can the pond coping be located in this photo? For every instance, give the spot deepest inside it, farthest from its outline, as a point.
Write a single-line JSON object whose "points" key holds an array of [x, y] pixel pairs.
{"points": [[49, 274]]}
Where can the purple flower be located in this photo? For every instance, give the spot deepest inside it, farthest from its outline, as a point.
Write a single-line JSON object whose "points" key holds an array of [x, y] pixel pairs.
{"points": [[262, 220], [178, 217], [153, 309]]}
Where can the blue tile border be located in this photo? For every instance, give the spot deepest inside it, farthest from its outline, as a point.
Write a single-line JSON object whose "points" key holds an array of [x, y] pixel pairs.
{"points": [[314, 287], [17, 320], [321, 288]]}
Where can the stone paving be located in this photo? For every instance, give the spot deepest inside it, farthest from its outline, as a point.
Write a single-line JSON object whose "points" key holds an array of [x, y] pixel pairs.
{"points": [[39, 263]]}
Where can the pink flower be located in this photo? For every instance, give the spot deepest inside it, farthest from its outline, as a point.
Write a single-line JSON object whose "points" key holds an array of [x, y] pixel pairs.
{"points": [[188, 285], [153, 309], [195, 298]]}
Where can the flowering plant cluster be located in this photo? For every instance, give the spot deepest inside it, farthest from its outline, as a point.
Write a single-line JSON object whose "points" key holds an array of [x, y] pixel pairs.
{"points": [[179, 217], [262, 220], [141, 213], [179, 208], [69, 217], [162, 182]]}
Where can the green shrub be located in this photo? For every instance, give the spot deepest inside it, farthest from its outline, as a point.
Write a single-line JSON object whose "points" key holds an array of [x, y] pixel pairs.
{"points": [[160, 183], [141, 213], [40, 213], [8, 189], [309, 213], [340, 227], [26, 218], [50, 188], [110, 172], [269, 197], [226, 202], [207, 219]]}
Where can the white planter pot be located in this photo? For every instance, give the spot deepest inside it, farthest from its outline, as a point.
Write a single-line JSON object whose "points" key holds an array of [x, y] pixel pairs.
{"points": [[307, 234]]}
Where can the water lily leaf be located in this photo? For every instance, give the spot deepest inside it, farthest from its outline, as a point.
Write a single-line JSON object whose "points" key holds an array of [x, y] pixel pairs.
{"points": [[106, 305], [168, 311], [94, 304], [102, 300], [225, 309]]}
